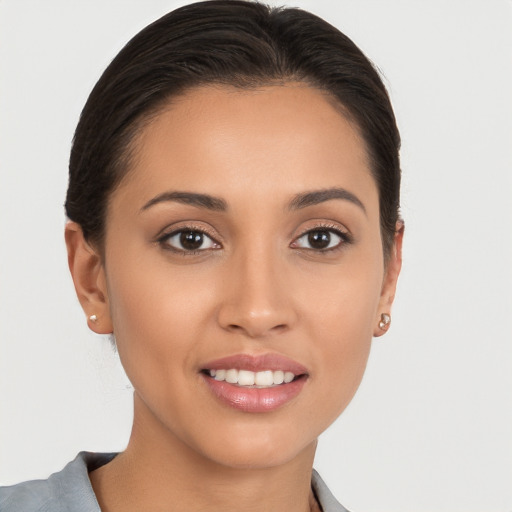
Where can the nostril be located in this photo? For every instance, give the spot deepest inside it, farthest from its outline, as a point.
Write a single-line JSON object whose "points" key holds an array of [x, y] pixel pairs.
{"points": [[256, 331], [255, 320]]}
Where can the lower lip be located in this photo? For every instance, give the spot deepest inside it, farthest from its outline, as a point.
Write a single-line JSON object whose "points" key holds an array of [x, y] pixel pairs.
{"points": [[255, 399]]}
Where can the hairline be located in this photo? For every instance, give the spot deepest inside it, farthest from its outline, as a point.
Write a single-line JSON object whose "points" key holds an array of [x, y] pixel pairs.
{"points": [[129, 149]]}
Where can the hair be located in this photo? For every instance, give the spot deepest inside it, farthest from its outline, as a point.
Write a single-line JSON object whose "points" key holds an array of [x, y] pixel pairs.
{"points": [[239, 43]]}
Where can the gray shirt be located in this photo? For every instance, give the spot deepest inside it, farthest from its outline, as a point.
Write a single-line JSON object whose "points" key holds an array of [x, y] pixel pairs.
{"points": [[70, 490]]}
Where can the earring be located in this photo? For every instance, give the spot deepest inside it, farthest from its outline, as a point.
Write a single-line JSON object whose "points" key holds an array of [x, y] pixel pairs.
{"points": [[385, 320], [93, 318]]}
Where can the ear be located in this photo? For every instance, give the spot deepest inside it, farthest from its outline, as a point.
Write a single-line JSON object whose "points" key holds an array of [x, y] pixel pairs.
{"points": [[392, 272], [88, 275]]}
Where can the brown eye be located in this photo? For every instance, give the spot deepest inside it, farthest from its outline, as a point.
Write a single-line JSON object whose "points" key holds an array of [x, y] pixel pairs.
{"points": [[321, 239], [189, 240]]}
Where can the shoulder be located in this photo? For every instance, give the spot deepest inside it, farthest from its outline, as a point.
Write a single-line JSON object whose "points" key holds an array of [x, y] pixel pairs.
{"points": [[68, 490], [326, 499]]}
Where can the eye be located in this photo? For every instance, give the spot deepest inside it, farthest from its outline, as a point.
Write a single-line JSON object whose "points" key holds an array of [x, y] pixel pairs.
{"points": [[189, 240], [320, 239]]}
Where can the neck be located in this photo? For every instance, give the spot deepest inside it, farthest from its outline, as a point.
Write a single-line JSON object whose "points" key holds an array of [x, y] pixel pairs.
{"points": [[160, 472]]}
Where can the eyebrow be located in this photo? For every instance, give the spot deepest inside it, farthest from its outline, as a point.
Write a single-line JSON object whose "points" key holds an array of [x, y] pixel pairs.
{"points": [[217, 204], [199, 200], [320, 196]]}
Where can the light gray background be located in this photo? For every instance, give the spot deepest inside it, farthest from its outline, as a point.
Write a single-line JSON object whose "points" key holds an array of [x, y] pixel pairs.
{"points": [[431, 426]]}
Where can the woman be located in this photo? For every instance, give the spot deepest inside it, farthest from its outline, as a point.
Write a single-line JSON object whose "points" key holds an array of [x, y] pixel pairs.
{"points": [[233, 203]]}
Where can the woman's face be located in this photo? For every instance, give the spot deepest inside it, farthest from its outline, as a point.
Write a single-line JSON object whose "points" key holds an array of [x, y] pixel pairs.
{"points": [[245, 244]]}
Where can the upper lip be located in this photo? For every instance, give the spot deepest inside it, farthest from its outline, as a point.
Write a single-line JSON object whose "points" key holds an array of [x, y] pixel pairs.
{"points": [[258, 363]]}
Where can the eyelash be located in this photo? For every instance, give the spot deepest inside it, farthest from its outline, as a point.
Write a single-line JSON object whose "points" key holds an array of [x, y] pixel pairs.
{"points": [[345, 238], [164, 239]]}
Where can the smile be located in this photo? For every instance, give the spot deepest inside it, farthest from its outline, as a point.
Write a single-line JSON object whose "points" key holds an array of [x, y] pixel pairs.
{"points": [[255, 384], [247, 378]]}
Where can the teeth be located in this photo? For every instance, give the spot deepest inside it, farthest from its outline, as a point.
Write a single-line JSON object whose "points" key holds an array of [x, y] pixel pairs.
{"points": [[288, 377], [265, 378], [279, 377], [220, 375], [232, 376], [245, 378]]}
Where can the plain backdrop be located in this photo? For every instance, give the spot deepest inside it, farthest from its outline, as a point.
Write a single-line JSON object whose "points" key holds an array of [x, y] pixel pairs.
{"points": [[431, 425]]}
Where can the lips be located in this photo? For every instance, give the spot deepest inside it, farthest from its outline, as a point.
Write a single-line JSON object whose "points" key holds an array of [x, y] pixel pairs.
{"points": [[255, 383]]}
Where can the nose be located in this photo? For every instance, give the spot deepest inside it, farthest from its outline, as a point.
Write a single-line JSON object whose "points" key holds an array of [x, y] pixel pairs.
{"points": [[257, 297]]}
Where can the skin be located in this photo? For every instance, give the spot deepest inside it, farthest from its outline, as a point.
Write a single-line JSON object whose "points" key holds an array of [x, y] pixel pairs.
{"points": [[257, 288]]}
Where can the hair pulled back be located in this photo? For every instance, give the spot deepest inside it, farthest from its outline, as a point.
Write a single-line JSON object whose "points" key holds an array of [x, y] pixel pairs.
{"points": [[227, 42]]}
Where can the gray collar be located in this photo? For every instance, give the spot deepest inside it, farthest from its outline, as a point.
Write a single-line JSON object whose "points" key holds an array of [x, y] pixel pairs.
{"points": [[70, 490]]}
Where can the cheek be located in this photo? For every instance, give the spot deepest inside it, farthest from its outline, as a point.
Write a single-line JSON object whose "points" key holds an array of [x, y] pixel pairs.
{"points": [[341, 321], [158, 316], [345, 299]]}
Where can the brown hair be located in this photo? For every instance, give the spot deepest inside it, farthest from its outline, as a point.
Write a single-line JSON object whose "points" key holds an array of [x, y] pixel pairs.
{"points": [[241, 43]]}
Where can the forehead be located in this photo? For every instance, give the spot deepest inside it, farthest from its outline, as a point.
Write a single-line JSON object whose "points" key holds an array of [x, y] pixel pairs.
{"points": [[221, 140]]}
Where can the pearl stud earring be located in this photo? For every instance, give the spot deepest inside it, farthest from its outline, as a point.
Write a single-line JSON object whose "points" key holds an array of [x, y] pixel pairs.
{"points": [[385, 320], [93, 318]]}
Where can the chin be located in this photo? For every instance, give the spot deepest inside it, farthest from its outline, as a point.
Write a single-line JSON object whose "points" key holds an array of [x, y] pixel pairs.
{"points": [[259, 449], [269, 457]]}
